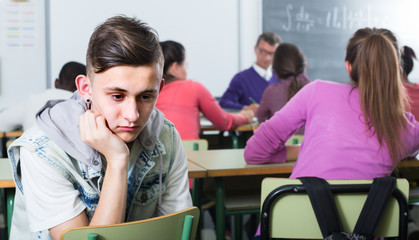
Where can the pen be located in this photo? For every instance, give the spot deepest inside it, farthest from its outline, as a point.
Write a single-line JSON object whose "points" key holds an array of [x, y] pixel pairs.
{"points": [[253, 100]]}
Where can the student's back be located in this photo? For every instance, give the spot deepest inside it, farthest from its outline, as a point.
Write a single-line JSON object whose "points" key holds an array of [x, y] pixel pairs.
{"points": [[352, 131], [339, 142], [182, 100]]}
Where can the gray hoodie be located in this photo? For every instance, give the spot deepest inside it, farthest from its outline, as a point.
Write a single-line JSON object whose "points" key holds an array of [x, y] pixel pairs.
{"points": [[59, 120]]}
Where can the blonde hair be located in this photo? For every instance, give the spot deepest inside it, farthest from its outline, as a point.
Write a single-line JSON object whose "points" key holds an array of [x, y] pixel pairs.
{"points": [[374, 57]]}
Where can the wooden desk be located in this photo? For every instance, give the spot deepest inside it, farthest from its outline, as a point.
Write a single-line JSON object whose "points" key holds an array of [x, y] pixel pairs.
{"points": [[248, 127], [196, 171], [6, 174], [7, 183], [230, 162], [5, 137]]}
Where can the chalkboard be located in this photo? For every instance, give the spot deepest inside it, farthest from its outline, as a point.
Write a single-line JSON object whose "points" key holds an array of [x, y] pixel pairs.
{"points": [[322, 28]]}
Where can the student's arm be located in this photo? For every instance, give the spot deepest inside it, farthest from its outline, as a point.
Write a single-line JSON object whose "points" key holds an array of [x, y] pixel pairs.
{"points": [[267, 143], [214, 113], [231, 96], [176, 197], [111, 206]]}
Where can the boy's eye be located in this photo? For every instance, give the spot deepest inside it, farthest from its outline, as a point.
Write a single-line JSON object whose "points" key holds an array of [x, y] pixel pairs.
{"points": [[145, 98], [117, 96]]}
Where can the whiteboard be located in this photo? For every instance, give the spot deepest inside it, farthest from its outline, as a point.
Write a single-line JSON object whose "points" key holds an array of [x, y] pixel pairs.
{"points": [[208, 30], [22, 50]]}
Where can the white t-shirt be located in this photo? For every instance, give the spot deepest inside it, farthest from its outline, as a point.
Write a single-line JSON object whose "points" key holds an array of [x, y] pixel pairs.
{"points": [[50, 198]]}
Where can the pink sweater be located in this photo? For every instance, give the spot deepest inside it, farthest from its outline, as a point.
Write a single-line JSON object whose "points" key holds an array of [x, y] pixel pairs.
{"points": [[336, 144], [182, 100], [413, 93]]}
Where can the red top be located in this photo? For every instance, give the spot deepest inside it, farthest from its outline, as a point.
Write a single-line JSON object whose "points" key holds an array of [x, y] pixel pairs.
{"points": [[182, 100], [413, 93]]}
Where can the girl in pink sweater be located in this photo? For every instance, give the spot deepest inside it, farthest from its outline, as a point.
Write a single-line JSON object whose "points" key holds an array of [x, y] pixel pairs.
{"points": [[181, 100], [356, 131]]}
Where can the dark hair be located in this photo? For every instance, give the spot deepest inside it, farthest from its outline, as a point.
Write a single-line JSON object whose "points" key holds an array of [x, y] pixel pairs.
{"points": [[172, 52], [122, 40], [374, 58], [69, 72], [269, 37], [407, 60], [289, 61]]}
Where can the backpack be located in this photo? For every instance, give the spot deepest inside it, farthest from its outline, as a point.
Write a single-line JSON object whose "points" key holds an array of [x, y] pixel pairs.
{"points": [[327, 216]]}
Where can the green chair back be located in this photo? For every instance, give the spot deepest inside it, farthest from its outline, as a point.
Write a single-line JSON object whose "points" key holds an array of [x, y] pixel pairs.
{"points": [[295, 139], [292, 215], [177, 226], [195, 145]]}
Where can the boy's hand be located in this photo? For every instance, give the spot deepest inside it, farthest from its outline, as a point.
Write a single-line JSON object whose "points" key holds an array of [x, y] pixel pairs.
{"points": [[95, 133]]}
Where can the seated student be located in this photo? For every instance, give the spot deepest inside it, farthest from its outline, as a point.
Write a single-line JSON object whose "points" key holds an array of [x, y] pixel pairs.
{"points": [[289, 66], [23, 114], [247, 86], [356, 131], [181, 100], [408, 55], [106, 155]]}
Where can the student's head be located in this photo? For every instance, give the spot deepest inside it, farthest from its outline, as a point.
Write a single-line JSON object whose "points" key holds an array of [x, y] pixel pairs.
{"points": [[266, 45], [372, 61], [289, 62], [174, 61], [124, 74], [408, 55], [67, 78]]}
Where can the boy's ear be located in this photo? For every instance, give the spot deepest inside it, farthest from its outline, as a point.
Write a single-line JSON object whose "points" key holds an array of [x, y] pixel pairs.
{"points": [[84, 87]]}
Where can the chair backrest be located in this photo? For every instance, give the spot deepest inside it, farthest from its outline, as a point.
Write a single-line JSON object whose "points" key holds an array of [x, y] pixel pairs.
{"points": [[295, 139], [292, 215], [195, 145], [181, 225]]}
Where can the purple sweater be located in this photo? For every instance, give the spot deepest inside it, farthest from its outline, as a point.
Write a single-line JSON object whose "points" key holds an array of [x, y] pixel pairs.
{"points": [[336, 144], [245, 84]]}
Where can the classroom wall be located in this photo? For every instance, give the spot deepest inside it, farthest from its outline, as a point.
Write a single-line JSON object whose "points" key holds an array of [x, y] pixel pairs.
{"points": [[209, 30]]}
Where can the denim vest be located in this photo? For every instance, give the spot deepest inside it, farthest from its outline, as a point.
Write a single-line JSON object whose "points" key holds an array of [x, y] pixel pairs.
{"points": [[143, 181]]}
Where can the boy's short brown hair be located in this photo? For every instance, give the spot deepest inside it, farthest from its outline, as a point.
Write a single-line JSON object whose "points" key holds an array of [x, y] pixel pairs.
{"points": [[122, 40]]}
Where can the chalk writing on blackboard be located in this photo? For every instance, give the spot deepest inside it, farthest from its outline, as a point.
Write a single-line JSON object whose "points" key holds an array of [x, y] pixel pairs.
{"points": [[300, 19]]}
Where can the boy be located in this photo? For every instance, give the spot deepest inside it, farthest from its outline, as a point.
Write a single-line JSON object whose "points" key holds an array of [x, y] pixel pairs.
{"points": [[106, 155]]}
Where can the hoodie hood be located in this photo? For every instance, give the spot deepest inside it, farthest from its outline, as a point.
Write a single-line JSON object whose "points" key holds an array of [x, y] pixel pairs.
{"points": [[59, 119]]}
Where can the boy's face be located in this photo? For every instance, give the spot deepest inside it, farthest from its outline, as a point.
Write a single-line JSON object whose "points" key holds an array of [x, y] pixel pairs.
{"points": [[125, 96]]}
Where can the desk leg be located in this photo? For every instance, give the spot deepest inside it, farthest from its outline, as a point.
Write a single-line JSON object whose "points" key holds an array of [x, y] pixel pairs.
{"points": [[219, 208], [10, 197], [235, 139], [197, 201]]}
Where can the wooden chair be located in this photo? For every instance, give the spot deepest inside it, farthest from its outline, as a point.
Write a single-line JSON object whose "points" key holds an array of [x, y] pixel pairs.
{"points": [[288, 213], [176, 226], [196, 190]]}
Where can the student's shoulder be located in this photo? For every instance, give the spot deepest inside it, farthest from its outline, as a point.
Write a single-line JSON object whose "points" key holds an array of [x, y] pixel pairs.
{"points": [[326, 85], [244, 73]]}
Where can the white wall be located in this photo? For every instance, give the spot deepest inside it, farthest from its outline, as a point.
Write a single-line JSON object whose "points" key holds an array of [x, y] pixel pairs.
{"points": [[22, 50], [209, 30]]}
